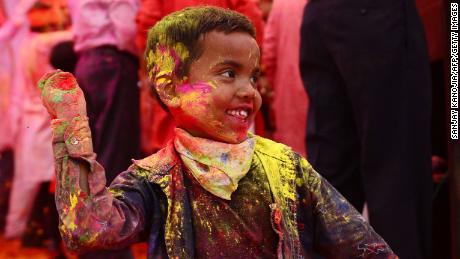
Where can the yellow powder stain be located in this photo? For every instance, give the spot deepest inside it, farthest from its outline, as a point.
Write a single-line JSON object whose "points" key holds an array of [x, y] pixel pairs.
{"points": [[181, 51], [69, 219], [92, 238], [73, 201], [162, 62], [142, 173], [192, 97], [116, 193], [213, 84], [165, 63], [163, 80], [149, 60]]}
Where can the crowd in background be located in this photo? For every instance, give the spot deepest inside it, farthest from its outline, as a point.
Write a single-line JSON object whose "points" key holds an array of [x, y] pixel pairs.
{"points": [[102, 43]]}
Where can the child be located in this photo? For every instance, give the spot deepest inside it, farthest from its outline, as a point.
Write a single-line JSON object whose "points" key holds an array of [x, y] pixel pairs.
{"points": [[214, 191]]}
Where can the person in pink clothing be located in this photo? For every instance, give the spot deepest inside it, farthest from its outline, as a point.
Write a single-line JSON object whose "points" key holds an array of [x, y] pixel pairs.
{"points": [[281, 61], [156, 124], [26, 40]]}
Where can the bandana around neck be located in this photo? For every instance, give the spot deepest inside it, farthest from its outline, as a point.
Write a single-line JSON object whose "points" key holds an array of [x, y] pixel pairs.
{"points": [[217, 166]]}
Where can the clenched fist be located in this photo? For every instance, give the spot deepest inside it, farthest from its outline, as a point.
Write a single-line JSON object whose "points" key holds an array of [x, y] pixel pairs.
{"points": [[61, 95]]}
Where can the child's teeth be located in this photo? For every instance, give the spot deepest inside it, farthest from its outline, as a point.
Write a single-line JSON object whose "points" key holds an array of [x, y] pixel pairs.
{"points": [[238, 113]]}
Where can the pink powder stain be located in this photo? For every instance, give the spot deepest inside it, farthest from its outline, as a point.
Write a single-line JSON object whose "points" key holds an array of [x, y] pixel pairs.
{"points": [[166, 50], [202, 87]]}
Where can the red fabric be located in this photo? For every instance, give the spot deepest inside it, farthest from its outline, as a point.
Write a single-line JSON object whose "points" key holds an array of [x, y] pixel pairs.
{"points": [[151, 11], [157, 125]]}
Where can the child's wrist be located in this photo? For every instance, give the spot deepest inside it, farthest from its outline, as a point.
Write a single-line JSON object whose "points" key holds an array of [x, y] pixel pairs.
{"points": [[70, 130]]}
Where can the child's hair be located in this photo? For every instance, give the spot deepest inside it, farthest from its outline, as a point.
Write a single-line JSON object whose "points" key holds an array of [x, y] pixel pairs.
{"points": [[181, 32]]}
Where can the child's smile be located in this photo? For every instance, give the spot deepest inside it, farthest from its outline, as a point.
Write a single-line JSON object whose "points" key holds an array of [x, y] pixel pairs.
{"points": [[219, 98]]}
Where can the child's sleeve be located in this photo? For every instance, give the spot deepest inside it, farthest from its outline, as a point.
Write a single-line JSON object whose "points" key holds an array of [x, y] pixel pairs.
{"points": [[102, 217], [331, 225]]}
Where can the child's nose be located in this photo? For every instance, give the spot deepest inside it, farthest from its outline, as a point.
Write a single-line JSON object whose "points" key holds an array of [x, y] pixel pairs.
{"points": [[246, 91]]}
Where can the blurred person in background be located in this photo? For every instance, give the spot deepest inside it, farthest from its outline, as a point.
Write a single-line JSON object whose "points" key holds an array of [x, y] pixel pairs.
{"points": [[32, 28], [365, 67], [280, 60]]}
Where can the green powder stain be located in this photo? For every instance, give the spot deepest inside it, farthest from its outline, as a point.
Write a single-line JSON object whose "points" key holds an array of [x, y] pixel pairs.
{"points": [[57, 98], [61, 127]]}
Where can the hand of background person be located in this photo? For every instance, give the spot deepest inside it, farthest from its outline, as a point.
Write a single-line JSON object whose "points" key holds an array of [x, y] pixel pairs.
{"points": [[61, 95]]}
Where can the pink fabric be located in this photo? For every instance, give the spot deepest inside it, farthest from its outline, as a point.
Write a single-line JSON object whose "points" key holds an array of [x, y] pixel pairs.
{"points": [[281, 61], [12, 33], [33, 154], [104, 22], [25, 123]]}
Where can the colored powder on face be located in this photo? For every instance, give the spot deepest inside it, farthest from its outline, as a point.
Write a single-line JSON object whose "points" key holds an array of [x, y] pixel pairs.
{"points": [[213, 84], [163, 62], [202, 87], [166, 60], [163, 80], [182, 52]]}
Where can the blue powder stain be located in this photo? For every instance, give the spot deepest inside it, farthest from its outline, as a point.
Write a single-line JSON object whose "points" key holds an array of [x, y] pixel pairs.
{"points": [[224, 157]]}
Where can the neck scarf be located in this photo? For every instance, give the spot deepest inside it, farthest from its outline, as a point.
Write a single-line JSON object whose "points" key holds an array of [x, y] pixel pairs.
{"points": [[217, 166]]}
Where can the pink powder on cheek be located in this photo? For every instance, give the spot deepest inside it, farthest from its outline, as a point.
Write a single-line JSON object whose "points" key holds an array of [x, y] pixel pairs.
{"points": [[202, 87]]}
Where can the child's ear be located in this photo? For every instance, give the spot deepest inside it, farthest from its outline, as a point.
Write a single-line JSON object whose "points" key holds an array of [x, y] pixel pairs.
{"points": [[166, 88]]}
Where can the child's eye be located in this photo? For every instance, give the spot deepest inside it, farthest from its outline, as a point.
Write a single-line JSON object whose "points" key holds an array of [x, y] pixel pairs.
{"points": [[254, 79], [228, 73]]}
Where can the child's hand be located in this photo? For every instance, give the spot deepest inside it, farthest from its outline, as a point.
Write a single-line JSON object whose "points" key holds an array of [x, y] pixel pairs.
{"points": [[61, 95]]}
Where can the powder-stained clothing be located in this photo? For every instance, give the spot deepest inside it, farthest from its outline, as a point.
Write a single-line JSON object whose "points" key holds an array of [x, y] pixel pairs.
{"points": [[104, 22], [150, 200], [245, 219]]}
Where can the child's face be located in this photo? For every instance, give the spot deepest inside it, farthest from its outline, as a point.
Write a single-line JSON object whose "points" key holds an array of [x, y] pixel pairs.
{"points": [[219, 98]]}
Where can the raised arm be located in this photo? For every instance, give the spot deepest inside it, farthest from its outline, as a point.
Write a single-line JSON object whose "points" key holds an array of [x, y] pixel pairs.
{"points": [[91, 215]]}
